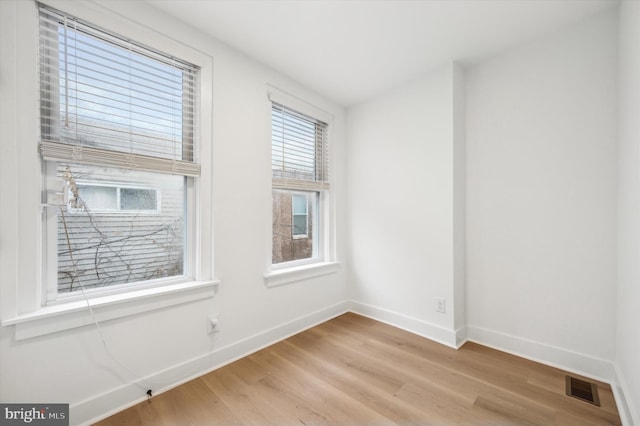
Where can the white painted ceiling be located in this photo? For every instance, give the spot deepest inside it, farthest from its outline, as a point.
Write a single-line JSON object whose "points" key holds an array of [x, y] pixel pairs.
{"points": [[353, 50]]}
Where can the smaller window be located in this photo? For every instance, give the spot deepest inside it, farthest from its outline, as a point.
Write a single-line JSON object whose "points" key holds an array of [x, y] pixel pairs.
{"points": [[138, 199], [294, 226], [300, 184], [299, 212], [102, 198]]}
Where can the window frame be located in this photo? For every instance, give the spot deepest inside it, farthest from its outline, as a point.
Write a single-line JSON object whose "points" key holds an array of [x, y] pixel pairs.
{"points": [[323, 228], [31, 315]]}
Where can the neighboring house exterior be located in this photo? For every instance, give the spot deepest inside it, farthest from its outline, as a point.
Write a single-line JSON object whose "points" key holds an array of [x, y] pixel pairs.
{"points": [[292, 227], [120, 231]]}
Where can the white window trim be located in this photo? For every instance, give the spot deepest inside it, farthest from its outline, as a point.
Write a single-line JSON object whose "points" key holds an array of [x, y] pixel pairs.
{"points": [[56, 318], [29, 315], [297, 273], [325, 260]]}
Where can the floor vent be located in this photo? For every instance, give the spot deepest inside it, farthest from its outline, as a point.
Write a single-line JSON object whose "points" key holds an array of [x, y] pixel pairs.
{"points": [[584, 391]]}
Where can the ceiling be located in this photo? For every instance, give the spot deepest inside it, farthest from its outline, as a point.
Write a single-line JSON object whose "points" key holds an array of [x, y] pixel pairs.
{"points": [[353, 50]]}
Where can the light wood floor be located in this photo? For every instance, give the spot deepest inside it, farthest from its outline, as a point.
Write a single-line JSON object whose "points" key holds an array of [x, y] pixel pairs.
{"points": [[353, 370]]}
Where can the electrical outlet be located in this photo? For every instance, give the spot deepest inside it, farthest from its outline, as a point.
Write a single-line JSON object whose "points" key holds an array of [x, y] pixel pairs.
{"points": [[213, 324], [441, 305]]}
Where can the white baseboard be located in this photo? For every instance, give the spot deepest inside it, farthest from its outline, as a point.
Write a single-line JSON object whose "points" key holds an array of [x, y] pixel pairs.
{"points": [[104, 405], [627, 411], [553, 356], [101, 406], [417, 326], [461, 336]]}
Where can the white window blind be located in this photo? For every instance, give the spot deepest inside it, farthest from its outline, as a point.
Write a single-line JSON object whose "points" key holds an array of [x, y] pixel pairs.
{"points": [[299, 152], [111, 102]]}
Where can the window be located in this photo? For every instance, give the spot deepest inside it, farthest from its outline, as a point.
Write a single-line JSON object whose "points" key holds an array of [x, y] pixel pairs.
{"points": [[108, 199], [300, 215], [299, 164], [120, 151]]}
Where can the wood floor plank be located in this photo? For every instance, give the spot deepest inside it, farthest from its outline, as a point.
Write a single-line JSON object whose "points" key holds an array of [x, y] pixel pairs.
{"points": [[319, 377], [349, 384], [313, 389], [518, 410], [357, 362], [354, 370], [242, 398]]}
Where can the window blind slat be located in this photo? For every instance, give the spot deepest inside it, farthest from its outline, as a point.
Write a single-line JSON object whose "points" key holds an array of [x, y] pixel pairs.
{"points": [[106, 95]]}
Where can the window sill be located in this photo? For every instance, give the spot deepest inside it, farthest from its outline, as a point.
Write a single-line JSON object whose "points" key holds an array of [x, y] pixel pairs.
{"points": [[53, 319], [299, 273]]}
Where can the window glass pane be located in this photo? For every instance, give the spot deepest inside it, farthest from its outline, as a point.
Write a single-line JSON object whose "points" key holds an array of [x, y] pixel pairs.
{"points": [[116, 95], [299, 215], [299, 225], [105, 99], [101, 248], [299, 204], [289, 227], [99, 197], [293, 144], [138, 199]]}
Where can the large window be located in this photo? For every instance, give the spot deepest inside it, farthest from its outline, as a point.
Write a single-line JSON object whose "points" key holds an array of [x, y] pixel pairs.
{"points": [[299, 163], [120, 154]]}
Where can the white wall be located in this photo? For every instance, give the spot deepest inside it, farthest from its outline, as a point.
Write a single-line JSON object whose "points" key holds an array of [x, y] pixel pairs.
{"points": [[541, 198], [401, 205], [170, 344], [628, 334]]}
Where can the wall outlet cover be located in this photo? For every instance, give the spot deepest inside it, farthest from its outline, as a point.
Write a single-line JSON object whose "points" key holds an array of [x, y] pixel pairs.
{"points": [[213, 324]]}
